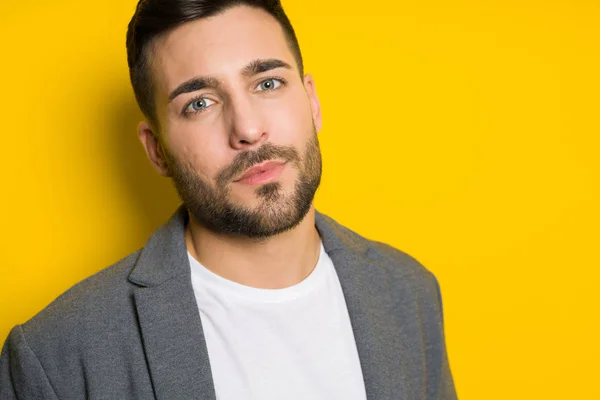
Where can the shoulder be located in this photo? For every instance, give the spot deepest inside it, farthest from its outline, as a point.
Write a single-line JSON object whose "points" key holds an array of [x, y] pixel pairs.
{"points": [[86, 305], [88, 334], [400, 293], [396, 265], [399, 261]]}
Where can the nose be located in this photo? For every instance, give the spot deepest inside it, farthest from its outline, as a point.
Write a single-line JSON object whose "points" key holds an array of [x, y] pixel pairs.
{"points": [[248, 125]]}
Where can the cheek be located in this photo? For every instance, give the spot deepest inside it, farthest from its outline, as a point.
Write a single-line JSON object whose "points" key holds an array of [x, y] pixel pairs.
{"points": [[197, 151], [291, 120]]}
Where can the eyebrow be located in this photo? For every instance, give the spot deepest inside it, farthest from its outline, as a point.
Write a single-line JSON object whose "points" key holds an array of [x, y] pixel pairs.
{"points": [[259, 66], [255, 67], [193, 85]]}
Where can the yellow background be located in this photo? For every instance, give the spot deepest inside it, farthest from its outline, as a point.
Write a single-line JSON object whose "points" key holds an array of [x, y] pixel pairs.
{"points": [[465, 133]]}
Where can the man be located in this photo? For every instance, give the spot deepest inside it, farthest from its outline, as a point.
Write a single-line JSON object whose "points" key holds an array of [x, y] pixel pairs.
{"points": [[247, 292]]}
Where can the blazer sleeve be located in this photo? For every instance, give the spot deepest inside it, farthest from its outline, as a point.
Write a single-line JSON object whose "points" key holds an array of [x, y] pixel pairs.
{"points": [[446, 389], [21, 373]]}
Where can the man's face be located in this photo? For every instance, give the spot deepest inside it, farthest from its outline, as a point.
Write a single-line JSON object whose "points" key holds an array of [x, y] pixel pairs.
{"points": [[238, 123]]}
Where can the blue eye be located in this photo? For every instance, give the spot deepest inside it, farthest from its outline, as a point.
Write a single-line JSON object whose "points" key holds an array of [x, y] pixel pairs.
{"points": [[199, 105], [269, 84]]}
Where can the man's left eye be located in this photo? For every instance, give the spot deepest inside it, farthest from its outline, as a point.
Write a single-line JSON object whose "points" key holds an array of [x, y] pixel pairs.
{"points": [[269, 84]]}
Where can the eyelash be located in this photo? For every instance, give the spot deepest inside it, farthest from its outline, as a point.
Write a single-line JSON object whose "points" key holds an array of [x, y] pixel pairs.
{"points": [[200, 97]]}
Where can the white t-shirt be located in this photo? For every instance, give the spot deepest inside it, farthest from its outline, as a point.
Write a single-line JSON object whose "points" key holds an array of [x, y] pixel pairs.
{"points": [[294, 343]]}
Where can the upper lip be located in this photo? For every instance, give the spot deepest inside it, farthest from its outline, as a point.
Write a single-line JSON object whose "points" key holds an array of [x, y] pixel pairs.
{"points": [[260, 167]]}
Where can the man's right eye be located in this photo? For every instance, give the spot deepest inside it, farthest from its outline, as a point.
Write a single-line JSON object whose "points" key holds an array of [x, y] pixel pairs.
{"points": [[198, 105]]}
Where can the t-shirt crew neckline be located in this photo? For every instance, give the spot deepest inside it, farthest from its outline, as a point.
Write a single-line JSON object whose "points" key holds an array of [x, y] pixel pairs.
{"points": [[208, 279]]}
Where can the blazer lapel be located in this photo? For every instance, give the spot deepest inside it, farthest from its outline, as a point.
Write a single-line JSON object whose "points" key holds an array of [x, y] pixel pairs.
{"points": [[379, 340], [168, 315], [174, 341]]}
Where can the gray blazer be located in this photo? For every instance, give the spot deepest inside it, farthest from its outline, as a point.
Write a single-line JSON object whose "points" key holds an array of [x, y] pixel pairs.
{"points": [[133, 330]]}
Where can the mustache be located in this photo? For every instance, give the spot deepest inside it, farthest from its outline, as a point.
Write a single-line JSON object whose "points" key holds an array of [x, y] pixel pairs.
{"points": [[250, 158]]}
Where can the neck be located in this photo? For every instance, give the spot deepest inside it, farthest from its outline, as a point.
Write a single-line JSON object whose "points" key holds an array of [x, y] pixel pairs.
{"points": [[276, 262]]}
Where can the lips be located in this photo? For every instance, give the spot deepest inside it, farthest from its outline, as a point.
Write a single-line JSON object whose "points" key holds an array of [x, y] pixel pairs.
{"points": [[265, 169]]}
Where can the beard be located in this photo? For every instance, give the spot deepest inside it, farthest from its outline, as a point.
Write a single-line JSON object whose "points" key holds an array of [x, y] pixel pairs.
{"points": [[276, 211]]}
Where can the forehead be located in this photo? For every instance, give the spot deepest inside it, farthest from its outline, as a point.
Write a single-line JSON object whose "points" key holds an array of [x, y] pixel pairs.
{"points": [[218, 46]]}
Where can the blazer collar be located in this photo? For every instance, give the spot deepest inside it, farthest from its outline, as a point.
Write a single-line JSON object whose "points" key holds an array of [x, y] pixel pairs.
{"points": [[164, 256]]}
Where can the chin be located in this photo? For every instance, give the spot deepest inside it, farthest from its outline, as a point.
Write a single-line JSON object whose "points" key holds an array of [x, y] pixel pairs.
{"points": [[265, 197]]}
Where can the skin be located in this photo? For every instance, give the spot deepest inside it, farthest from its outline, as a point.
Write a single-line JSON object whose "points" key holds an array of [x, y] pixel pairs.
{"points": [[238, 116]]}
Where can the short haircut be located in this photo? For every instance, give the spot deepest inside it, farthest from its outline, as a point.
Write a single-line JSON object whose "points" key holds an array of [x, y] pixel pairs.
{"points": [[153, 18]]}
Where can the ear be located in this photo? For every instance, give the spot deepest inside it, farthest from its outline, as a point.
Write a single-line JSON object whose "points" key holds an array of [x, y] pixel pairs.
{"points": [[315, 105], [153, 147]]}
